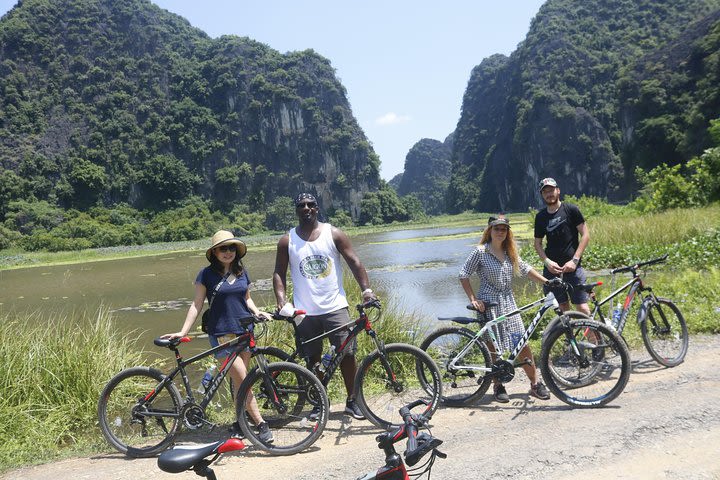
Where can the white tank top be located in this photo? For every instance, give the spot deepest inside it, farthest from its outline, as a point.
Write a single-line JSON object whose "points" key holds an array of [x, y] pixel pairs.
{"points": [[316, 272]]}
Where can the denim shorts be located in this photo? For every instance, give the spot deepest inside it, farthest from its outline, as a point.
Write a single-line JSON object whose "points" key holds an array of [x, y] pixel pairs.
{"points": [[312, 326], [216, 340], [577, 277]]}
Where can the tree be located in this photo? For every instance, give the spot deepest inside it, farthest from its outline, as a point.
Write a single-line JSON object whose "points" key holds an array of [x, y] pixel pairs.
{"points": [[164, 180]]}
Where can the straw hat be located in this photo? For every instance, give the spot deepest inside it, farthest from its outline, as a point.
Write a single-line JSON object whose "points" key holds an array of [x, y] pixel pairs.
{"points": [[223, 237]]}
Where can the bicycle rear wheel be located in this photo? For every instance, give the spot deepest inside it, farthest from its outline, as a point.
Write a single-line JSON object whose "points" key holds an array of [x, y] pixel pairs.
{"points": [[601, 362], [133, 425], [664, 331], [402, 374], [463, 383], [298, 392]]}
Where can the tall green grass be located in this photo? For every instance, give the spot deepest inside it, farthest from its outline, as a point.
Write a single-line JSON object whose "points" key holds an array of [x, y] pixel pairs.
{"points": [[51, 375]]}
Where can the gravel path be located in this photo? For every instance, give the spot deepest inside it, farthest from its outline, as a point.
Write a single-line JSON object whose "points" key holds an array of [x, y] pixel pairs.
{"points": [[665, 425]]}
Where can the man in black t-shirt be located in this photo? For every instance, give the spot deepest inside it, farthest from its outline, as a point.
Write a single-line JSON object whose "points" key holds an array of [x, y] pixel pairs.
{"points": [[567, 237]]}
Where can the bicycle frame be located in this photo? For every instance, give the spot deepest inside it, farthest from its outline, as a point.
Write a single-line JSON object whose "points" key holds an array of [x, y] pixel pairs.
{"points": [[635, 285], [361, 323], [547, 303], [240, 343]]}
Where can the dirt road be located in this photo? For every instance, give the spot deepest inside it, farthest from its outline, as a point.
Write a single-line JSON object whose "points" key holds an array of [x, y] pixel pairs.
{"points": [[666, 425]]}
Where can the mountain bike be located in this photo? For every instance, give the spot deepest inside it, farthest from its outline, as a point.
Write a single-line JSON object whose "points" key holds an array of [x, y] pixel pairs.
{"points": [[572, 345], [418, 445], [662, 325], [182, 458], [141, 410], [389, 377]]}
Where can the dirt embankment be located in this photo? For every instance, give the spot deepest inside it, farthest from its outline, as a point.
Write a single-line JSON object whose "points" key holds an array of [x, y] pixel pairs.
{"points": [[666, 425]]}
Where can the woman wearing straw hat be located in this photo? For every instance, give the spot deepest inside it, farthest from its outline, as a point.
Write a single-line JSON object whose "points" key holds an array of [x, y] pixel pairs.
{"points": [[226, 285]]}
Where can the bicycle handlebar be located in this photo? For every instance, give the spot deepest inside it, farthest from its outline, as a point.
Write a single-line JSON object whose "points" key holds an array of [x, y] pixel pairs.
{"points": [[632, 268], [374, 303]]}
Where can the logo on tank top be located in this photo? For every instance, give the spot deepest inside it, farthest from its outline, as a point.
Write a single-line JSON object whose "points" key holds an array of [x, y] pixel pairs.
{"points": [[316, 266]]}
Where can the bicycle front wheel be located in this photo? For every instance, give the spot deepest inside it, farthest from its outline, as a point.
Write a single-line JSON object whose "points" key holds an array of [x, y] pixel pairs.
{"points": [[590, 352], [387, 381], [136, 417], [664, 331], [463, 381], [290, 399], [565, 369]]}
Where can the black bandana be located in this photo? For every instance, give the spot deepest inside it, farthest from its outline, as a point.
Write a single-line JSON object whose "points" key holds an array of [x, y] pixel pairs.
{"points": [[304, 196]]}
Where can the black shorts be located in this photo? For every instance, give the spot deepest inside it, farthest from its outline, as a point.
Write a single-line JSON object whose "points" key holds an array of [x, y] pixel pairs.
{"points": [[312, 326], [577, 277]]}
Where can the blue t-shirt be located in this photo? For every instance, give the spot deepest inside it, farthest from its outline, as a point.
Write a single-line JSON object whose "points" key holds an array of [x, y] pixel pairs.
{"points": [[228, 306]]}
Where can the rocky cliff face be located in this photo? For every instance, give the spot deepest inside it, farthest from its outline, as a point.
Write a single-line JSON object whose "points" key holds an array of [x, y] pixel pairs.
{"points": [[426, 174], [120, 101], [552, 108]]}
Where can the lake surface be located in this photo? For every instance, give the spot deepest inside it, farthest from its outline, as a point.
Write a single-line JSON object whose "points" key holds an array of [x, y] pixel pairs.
{"points": [[415, 270]]}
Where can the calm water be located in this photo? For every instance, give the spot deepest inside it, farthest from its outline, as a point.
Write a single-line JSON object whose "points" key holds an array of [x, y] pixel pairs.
{"points": [[152, 294]]}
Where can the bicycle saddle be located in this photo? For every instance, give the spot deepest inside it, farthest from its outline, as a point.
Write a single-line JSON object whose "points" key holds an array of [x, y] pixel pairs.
{"points": [[588, 287], [468, 320], [170, 342], [182, 458]]}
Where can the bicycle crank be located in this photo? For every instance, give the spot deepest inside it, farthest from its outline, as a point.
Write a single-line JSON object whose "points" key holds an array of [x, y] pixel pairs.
{"points": [[503, 371], [194, 417]]}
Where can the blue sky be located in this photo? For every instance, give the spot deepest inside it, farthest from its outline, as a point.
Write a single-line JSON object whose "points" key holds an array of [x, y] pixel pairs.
{"points": [[405, 64]]}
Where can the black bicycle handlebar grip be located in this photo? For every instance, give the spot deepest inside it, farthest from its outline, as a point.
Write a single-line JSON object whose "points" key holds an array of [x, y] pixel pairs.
{"points": [[425, 444]]}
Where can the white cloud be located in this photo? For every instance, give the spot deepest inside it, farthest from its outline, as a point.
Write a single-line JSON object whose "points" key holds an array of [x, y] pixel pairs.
{"points": [[392, 118]]}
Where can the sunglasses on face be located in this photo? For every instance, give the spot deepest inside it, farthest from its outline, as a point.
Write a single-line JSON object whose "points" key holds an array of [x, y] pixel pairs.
{"points": [[227, 248], [300, 206]]}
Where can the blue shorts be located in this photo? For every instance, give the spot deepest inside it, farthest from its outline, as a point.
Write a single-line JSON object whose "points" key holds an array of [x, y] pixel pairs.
{"points": [[577, 277], [216, 340], [312, 326]]}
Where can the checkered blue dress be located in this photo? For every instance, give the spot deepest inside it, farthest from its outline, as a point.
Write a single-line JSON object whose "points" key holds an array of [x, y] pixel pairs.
{"points": [[496, 286]]}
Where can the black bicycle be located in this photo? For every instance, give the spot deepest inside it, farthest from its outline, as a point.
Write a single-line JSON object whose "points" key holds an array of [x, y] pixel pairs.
{"points": [[662, 325], [197, 458], [572, 345], [391, 376], [141, 410], [418, 445]]}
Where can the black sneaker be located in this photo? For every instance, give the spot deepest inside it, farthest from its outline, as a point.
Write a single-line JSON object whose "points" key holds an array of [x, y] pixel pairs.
{"points": [[265, 435], [235, 431], [500, 393], [316, 411], [539, 391], [353, 410]]}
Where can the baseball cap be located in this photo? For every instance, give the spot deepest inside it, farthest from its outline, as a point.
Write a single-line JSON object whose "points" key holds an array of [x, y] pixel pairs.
{"points": [[547, 181]]}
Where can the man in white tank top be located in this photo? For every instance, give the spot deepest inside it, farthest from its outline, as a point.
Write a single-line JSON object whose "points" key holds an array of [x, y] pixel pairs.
{"points": [[313, 251]]}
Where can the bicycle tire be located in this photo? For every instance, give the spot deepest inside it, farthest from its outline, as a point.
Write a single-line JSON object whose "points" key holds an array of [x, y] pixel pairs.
{"points": [[122, 412], [413, 376], [572, 378], [274, 354], [292, 428], [607, 384], [461, 386], [664, 333]]}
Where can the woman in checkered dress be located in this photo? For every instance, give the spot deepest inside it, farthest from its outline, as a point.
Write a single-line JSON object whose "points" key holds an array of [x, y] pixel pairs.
{"points": [[496, 262]]}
